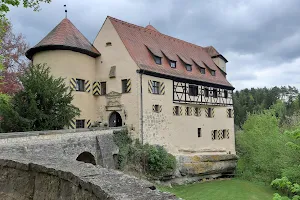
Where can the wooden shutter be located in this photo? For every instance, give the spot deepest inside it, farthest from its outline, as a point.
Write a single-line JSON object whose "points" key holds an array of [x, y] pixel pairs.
{"points": [[162, 88], [73, 84], [72, 124], [128, 87], [150, 86], [96, 88], [87, 86], [88, 123]]}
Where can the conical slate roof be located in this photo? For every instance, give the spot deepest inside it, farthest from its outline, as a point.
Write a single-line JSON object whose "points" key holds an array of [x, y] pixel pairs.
{"points": [[65, 36]]}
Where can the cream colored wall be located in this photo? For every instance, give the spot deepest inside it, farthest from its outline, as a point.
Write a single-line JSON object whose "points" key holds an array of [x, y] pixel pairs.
{"points": [[179, 133], [69, 64], [220, 63], [117, 55]]}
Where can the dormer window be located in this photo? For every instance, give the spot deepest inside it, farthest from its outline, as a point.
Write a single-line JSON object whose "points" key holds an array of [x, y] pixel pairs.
{"points": [[202, 70], [188, 67], [173, 63], [213, 72], [157, 60]]}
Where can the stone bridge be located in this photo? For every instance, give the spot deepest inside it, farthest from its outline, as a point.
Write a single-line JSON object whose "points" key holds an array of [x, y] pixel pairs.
{"points": [[42, 165]]}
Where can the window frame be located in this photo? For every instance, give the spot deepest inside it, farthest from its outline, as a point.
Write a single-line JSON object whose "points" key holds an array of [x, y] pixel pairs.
{"points": [[172, 62], [215, 93], [156, 108], [225, 94], [202, 70], [155, 86], [196, 111], [177, 111], [193, 90], [206, 92], [103, 92], [80, 87], [215, 132], [188, 65], [80, 122], [209, 112], [156, 59], [124, 85], [224, 133], [230, 113]]}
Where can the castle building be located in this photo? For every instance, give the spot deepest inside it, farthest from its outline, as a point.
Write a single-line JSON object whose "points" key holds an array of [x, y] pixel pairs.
{"points": [[165, 90]]}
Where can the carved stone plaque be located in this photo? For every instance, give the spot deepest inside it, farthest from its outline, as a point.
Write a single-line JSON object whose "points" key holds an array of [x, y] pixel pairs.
{"points": [[113, 101]]}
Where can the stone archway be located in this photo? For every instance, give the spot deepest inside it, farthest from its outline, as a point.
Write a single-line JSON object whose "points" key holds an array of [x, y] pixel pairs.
{"points": [[115, 119], [86, 157]]}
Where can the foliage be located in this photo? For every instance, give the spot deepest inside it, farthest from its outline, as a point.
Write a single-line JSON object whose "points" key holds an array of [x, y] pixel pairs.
{"points": [[233, 189], [44, 104], [285, 186], [151, 160], [260, 146], [255, 100], [4, 5]]}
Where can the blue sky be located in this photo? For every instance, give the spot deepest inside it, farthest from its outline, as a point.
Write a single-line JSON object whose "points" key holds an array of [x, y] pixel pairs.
{"points": [[260, 39]]}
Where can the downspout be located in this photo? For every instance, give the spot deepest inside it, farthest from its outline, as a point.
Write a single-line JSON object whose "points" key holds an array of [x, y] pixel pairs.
{"points": [[141, 108]]}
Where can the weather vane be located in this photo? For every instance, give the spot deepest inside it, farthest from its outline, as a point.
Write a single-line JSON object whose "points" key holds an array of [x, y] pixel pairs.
{"points": [[66, 11]]}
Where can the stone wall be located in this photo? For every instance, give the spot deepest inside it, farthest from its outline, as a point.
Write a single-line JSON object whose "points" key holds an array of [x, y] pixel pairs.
{"points": [[36, 178]]}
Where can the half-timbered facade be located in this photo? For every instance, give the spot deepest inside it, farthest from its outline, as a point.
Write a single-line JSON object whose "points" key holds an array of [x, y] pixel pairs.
{"points": [[166, 91]]}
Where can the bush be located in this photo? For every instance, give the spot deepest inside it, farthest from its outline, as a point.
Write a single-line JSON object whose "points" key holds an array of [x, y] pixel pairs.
{"points": [[151, 160]]}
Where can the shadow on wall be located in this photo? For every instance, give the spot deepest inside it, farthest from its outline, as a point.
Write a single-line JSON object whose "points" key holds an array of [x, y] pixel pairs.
{"points": [[86, 157]]}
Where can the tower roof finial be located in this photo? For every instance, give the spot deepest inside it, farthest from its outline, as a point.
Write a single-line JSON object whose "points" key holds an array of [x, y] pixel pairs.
{"points": [[66, 11]]}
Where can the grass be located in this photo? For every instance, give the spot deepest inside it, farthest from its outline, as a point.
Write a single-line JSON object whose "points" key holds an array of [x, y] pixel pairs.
{"points": [[222, 190]]}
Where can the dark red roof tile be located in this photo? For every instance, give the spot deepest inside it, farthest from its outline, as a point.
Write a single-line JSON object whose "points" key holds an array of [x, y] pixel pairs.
{"points": [[64, 36], [136, 38]]}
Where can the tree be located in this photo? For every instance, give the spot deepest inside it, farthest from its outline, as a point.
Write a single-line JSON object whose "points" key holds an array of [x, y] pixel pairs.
{"points": [[43, 104], [14, 62]]}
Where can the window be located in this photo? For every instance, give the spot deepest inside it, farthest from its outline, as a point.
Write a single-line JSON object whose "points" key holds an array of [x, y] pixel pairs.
{"points": [[213, 72], [196, 111], [188, 67], [157, 60], [79, 85], [223, 134], [103, 88], [80, 123], [124, 86], [225, 94], [108, 44], [176, 110], [230, 113], [155, 87], [206, 92], [214, 134], [193, 90], [188, 111], [199, 132], [156, 108], [209, 112], [215, 93], [202, 70], [173, 63]]}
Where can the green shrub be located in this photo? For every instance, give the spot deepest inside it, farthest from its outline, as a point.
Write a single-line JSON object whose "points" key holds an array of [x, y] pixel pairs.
{"points": [[151, 160]]}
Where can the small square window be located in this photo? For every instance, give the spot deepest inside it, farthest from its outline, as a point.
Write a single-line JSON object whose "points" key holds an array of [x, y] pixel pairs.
{"points": [[196, 111], [206, 92], [157, 60], [108, 44], [124, 86], [215, 93], [80, 85], [214, 134], [80, 123], [188, 67], [202, 70], [213, 72], [199, 132], [103, 88], [188, 111], [155, 87], [193, 90], [173, 63], [225, 94], [156, 108]]}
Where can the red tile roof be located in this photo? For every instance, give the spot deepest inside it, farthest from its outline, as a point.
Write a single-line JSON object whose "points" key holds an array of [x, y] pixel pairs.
{"points": [[64, 36], [140, 42], [213, 52]]}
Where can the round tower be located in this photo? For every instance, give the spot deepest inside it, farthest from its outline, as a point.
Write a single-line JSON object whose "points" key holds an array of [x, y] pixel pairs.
{"points": [[71, 56]]}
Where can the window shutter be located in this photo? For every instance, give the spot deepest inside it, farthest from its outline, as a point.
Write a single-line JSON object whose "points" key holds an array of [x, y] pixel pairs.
{"points": [[174, 110], [212, 112], [186, 111], [227, 134], [213, 135], [128, 88], [206, 112], [72, 124], [73, 84], [232, 113], [96, 88], [199, 112], [196, 112], [220, 135], [162, 88], [87, 86], [88, 123], [150, 87], [227, 112], [180, 110], [160, 108]]}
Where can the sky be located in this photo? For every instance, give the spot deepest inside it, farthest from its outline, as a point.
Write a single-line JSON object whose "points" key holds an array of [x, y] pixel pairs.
{"points": [[259, 38]]}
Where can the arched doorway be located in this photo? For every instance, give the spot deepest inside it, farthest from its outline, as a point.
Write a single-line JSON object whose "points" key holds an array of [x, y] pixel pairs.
{"points": [[115, 119], [86, 157]]}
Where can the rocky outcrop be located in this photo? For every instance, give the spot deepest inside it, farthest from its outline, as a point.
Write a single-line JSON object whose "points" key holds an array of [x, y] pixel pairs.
{"points": [[36, 178]]}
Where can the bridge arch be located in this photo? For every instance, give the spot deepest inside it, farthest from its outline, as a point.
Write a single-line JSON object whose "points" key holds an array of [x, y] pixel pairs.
{"points": [[86, 157]]}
